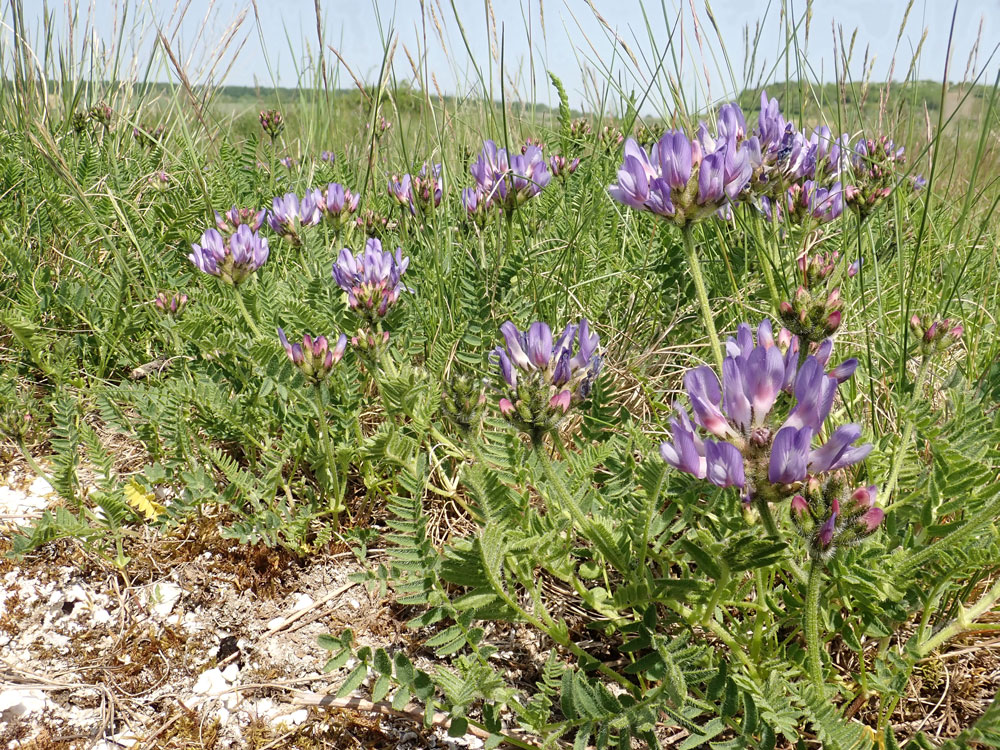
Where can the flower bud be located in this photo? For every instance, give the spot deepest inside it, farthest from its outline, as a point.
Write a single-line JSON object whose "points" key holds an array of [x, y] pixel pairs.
{"points": [[314, 357], [272, 122]]}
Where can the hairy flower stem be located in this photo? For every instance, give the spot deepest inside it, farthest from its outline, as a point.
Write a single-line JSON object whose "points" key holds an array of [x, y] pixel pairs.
{"points": [[764, 259], [904, 443], [771, 527], [699, 285], [328, 452], [766, 517], [246, 313], [814, 654]]}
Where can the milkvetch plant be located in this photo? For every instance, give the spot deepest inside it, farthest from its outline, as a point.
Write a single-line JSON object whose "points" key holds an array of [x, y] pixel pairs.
{"points": [[756, 552]]}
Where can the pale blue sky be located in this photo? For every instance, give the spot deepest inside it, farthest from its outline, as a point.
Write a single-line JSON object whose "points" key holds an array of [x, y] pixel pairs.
{"points": [[570, 40]]}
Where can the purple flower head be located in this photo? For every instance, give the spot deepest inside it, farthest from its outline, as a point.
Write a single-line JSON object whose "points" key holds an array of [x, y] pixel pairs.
{"points": [[313, 356], [487, 168], [824, 204], [541, 377], [477, 204], [510, 180], [272, 122], [288, 214], [336, 203], [371, 279], [232, 259], [770, 124], [427, 187], [527, 176], [328, 157], [731, 123], [400, 190], [420, 192], [831, 519], [687, 180], [749, 422]]}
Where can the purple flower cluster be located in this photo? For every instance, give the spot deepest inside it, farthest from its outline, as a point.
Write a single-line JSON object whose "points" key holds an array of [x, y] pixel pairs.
{"points": [[935, 336], [791, 173], [540, 379], [371, 279], [806, 200], [830, 520], [313, 356], [418, 192], [272, 122], [683, 179], [768, 457], [232, 258], [288, 214], [506, 180], [337, 203]]}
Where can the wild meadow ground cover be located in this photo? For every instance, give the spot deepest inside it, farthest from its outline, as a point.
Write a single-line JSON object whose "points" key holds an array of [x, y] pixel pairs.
{"points": [[702, 403]]}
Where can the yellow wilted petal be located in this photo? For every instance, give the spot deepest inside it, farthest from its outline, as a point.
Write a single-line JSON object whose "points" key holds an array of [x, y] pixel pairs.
{"points": [[142, 501]]}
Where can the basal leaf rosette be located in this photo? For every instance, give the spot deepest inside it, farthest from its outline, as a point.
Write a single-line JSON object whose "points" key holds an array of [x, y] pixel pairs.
{"points": [[541, 379]]}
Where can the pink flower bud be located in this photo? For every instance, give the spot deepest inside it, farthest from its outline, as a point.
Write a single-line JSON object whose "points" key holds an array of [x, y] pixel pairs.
{"points": [[799, 505], [873, 518], [506, 407], [561, 401]]}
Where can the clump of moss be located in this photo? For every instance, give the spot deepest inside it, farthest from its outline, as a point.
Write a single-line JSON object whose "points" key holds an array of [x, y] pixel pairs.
{"points": [[321, 730], [190, 732]]}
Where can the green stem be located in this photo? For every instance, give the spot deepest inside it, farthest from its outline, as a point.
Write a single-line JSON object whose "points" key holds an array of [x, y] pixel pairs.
{"points": [[699, 285], [897, 459], [814, 655], [765, 264], [951, 540], [328, 452], [965, 620], [767, 518], [246, 313], [720, 586], [758, 620], [558, 637]]}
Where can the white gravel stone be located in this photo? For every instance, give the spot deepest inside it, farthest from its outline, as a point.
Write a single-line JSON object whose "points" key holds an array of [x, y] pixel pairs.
{"points": [[211, 682], [17, 703], [163, 598], [40, 487], [291, 720]]}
